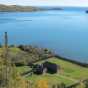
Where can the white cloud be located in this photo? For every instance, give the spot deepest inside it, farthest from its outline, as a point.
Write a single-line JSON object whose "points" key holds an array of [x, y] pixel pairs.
{"points": [[48, 2]]}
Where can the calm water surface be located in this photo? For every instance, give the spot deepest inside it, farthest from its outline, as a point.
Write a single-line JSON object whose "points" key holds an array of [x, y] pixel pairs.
{"points": [[65, 32]]}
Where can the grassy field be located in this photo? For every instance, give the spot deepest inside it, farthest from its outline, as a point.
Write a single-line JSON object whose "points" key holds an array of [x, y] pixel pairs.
{"points": [[23, 69], [69, 73], [51, 79], [13, 50], [70, 69]]}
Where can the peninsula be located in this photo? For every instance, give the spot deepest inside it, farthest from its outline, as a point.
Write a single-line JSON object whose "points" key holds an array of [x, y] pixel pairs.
{"points": [[18, 8]]}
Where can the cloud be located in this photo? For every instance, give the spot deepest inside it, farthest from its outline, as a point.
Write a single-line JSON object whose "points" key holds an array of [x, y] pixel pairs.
{"points": [[47, 2]]}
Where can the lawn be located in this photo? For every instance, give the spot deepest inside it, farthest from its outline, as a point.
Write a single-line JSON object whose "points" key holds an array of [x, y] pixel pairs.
{"points": [[50, 78], [12, 50], [70, 73], [22, 69], [69, 69]]}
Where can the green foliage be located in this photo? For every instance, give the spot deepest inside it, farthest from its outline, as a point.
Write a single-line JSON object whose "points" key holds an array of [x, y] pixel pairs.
{"points": [[9, 76], [24, 55]]}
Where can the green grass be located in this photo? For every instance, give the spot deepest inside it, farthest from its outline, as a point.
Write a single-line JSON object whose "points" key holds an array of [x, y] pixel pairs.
{"points": [[13, 50], [69, 74], [70, 69], [51, 79], [23, 69]]}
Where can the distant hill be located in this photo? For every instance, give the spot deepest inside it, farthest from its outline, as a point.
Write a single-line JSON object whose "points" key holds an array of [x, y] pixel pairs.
{"points": [[52, 8], [17, 8]]}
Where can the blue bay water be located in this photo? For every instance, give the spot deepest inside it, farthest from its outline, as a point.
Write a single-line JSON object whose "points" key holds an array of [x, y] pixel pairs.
{"points": [[64, 32]]}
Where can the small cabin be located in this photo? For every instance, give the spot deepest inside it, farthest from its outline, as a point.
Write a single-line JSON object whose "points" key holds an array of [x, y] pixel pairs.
{"points": [[51, 67], [46, 67], [37, 69]]}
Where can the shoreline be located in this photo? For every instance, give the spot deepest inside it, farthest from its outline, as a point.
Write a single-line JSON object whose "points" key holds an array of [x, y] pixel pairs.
{"points": [[51, 55], [62, 58], [72, 61]]}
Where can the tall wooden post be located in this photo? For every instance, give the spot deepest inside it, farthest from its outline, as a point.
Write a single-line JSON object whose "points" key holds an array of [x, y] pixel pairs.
{"points": [[6, 58], [6, 40], [5, 45]]}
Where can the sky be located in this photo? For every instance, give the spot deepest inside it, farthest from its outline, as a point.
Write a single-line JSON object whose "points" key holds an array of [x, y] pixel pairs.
{"points": [[81, 3]]}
